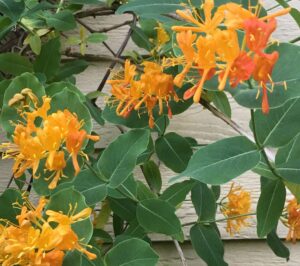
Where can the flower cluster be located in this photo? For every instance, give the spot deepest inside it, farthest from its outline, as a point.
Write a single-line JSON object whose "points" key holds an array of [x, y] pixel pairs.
{"points": [[235, 208], [45, 136], [210, 44], [152, 87], [293, 220], [40, 241]]}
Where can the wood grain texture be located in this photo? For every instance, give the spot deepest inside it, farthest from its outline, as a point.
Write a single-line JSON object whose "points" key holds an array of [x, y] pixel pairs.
{"points": [[196, 122]]}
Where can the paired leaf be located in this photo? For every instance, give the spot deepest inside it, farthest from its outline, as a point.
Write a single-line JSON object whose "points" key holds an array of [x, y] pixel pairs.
{"points": [[270, 206], [156, 215], [61, 21], [271, 129], [177, 193], [277, 246], [152, 175], [133, 252], [174, 151], [8, 200], [207, 244], [204, 202], [12, 9], [14, 64], [119, 158], [219, 162]]}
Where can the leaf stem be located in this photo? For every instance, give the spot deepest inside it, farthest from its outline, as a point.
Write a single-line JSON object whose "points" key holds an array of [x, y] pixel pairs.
{"points": [[180, 252]]}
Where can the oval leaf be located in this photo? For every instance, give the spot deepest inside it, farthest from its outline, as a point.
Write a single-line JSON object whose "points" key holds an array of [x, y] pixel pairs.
{"points": [[174, 151], [219, 162]]}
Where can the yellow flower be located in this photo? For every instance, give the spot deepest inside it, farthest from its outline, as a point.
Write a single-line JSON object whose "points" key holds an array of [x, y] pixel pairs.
{"points": [[293, 220], [153, 87], [37, 241], [48, 140], [235, 208]]}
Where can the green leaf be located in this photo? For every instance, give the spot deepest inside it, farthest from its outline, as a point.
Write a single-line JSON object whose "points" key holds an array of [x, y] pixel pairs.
{"points": [[204, 202], [174, 151], [124, 208], [161, 124], [133, 252], [141, 39], [177, 193], [4, 84], [146, 155], [90, 186], [119, 158], [220, 100], [35, 43], [102, 235], [263, 169], [9, 210], [271, 128], [277, 246], [95, 112], [153, 7], [68, 198], [5, 26], [128, 189], [86, 2], [152, 175], [156, 215], [72, 258], [219, 162], [48, 60], [270, 206], [8, 113], [143, 192], [14, 64], [12, 8], [96, 38], [284, 70], [287, 162], [70, 68], [61, 21], [207, 244]]}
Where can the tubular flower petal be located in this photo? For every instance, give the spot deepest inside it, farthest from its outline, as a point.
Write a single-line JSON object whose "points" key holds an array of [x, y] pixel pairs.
{"points": [[34, 142], [264, 65], [36, 240], [258, 33], [236, 207]]}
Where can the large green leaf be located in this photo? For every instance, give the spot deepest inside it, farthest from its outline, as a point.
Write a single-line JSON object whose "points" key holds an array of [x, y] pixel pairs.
{"points": [[124, 208], [270, 206], [47, 62], [71, 201], [141, 39], [119, 158], [219, 162], [12, 8], [272, 128], [9, 209], [14, 64], [62, 21], [133, 252], [174, 151], [204, 202], [90, 186], [207, 244], [156, 215], [177, 193], [284, 70]]}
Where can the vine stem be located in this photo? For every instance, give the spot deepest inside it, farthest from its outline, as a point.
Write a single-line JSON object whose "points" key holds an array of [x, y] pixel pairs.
{"points": [[180, 252]]}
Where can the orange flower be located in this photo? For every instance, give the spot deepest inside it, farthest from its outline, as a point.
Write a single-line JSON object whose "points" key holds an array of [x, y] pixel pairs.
{"points": [[185, 40], [207, 25], [236, 208], [262, 74], [33, 241], [241, 69], [293, 222], [47, 140], [153, 87], [258, 33]]}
